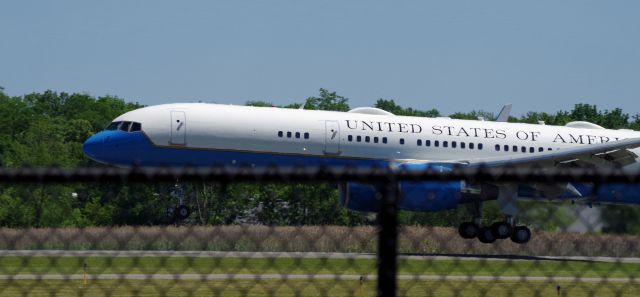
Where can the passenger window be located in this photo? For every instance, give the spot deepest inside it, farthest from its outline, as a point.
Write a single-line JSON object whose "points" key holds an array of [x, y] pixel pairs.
{"points": [[454, 144], [471, 145], [350, 137], [540, 149], [375, 139], [419, 142], [367, 139], [401, 140], [125, 126], [497, 147], [297, 134], [384, 140], [136, 127], [462, 145], [358, 138], [306, 135], [506, 148], [445, 144], [515, 148], [480, 146], [523, 149], [427, 143], [436, 143], [288, 134], [549, 149], [532, 150]]}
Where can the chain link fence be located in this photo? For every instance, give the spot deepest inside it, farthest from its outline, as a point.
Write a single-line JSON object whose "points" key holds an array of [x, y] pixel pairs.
{"points": [[260, 232]]}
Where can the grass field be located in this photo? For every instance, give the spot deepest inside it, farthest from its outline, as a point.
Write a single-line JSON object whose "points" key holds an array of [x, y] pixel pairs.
{"points": [[333, 239], [232, 265], [305, 288]]}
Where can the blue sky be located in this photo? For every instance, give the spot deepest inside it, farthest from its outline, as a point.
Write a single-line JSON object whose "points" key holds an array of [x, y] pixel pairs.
{"points": [[450, 55]]}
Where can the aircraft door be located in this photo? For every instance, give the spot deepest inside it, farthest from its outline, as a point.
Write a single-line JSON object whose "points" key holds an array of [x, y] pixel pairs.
{"points": [[332, 138], [178, 128]]}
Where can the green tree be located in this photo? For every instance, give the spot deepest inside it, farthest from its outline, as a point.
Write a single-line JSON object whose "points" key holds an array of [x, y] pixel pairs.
{"points": [[392, 107], [473, 115], [621, 219], [259, 103], [327, 101], [635, 124]]}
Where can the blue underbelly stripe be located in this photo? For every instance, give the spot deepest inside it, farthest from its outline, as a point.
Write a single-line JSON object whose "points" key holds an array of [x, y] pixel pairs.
{"points": [[136, 149]]}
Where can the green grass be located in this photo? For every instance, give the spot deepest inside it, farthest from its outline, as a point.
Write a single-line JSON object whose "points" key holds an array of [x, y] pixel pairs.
{"points": [[303, 288], [228, 265], [273, 287]]}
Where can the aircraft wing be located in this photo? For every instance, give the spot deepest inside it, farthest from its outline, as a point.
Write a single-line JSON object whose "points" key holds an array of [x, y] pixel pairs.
{"points": [[616, 153]]}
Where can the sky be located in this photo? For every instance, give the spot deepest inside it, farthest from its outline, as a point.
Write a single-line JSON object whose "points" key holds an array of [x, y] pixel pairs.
{"points": [[449, 55]]}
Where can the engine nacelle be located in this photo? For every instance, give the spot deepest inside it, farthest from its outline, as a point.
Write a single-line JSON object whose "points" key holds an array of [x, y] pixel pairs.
{"points": [[429, 196], [414, 196], [359, 197]]}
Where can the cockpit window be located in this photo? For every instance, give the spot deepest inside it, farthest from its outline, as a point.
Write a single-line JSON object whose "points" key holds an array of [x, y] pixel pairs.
{"points": [[135, 127], [125, 126], [113, 126]]}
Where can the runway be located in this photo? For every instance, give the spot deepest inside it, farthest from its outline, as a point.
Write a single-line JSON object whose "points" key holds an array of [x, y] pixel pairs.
{"points": [[302, 255], [311, 277]]}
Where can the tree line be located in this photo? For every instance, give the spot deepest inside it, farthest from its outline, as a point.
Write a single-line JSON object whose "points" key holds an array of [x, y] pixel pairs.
{"points": [[48, 129]]}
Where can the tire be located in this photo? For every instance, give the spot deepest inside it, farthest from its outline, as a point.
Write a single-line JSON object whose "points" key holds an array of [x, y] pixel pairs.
{"points": [[182, 212], [501, 230], [521, 235], [486, 236], [468, 230]]}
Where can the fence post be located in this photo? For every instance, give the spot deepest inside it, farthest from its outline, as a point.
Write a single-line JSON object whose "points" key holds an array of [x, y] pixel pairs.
{"points": [[388, 238]]}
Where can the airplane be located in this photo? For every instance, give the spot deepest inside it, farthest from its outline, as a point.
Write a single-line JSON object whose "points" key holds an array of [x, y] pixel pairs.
{"points": [[205, 135]]}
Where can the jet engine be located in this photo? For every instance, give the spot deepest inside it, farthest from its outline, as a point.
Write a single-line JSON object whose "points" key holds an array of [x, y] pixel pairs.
{"points": [[414, 196], [424, 196]]}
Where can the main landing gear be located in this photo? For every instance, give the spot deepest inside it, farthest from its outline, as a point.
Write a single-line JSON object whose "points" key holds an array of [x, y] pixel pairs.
{"points": [[497, 230]]}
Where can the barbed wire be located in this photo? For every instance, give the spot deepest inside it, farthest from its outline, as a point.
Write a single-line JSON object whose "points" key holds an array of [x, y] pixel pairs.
{"points": [[321, 173]]}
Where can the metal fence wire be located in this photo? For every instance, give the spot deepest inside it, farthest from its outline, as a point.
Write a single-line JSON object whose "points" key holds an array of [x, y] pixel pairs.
{"points": [[286, 232]]}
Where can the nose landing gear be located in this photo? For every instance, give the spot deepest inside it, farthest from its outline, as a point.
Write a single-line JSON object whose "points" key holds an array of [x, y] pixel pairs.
{"points": [[180, 211]]}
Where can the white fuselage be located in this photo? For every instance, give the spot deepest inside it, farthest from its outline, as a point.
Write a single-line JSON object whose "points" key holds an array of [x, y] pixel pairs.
{"points": [[353, 135]]}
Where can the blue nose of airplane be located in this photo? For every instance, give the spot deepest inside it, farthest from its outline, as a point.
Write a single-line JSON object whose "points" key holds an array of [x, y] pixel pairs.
{"points": [[94, 147]]}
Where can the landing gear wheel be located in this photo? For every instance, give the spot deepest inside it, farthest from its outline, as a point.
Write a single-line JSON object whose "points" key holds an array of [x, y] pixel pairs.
{"points": [[501, 230], [486, 236], [521, 234], [182, 212], [468, 230]]}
